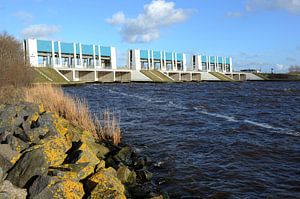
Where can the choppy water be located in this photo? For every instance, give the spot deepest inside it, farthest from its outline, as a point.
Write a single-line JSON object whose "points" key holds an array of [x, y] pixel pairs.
{"points": [[235, 140]]}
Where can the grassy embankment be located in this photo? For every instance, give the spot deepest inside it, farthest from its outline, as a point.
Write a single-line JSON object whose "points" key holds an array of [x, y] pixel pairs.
{"points": [[279, 76]]}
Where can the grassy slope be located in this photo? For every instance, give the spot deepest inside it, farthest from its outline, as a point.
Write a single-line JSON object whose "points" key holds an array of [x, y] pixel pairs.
{"points": [[50, 73]]}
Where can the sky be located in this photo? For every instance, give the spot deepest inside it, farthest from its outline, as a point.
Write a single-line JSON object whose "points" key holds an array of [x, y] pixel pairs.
{"points": [[261, 34]]}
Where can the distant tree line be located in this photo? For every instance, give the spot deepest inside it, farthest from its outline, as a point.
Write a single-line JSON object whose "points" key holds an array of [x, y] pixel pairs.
{"points": [[14, 71], [294, 69]]}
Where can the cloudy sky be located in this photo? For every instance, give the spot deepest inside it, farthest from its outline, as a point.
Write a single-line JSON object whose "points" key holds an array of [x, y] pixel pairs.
{"points": [[256, 33]]}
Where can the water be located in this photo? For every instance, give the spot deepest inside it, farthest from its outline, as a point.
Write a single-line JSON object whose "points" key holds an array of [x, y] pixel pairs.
{"points": [[235, 140]]}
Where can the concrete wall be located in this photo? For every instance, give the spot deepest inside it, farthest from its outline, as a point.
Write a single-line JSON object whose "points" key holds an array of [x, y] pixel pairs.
{"points": [[186, 77], [196, 77], [122, 76], [86, 76], [105, 76], [175, 76]]}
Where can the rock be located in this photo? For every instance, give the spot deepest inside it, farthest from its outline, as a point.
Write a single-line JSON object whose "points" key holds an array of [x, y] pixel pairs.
{"points": [[126, 176], [9, 191], [2, 175], [55, 149], [38, 185], [16, 143], [81, 153], [31, 163], [8, 154], [144, 175], [102, 151], [124, 155], [157, 197], [5, 164], [100, 166], [105, 184], [52, 187], [35, 134], [72, 171]]}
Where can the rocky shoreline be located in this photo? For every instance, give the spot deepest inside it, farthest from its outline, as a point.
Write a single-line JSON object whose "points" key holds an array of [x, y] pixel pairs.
{"points": [[45, 156]]}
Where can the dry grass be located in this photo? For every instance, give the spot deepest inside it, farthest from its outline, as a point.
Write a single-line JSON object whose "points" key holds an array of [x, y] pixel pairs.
{"points": [[10, 94], [75, 110]]}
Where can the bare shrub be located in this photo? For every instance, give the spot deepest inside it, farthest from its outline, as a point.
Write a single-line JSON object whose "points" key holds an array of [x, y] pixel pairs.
{"points": [[13, 68], [76, 111]]}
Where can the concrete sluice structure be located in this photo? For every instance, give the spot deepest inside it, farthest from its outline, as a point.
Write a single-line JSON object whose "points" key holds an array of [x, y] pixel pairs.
{"points": [[78, 62]]}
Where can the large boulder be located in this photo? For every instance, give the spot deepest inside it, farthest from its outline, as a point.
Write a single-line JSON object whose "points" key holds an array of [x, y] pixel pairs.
{"points": [[105, 184], [31, 163], [9, 191], [124, 155], [72, 171], [54, 187], [55, 149], [126, 176]]}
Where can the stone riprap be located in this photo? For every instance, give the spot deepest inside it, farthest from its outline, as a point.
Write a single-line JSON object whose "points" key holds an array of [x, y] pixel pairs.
{"points": [[45, 156]]}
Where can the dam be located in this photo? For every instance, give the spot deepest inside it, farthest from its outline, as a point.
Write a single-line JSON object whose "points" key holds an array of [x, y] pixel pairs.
{"points": [[77, 62]]}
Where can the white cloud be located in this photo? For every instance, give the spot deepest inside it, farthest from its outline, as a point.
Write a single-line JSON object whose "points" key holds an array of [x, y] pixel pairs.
{"points": [[25, 17], [147, 25], [234, 14], [39, 31], [292, 6]]}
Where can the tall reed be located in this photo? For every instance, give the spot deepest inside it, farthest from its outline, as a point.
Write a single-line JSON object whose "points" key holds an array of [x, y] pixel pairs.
{"points": [[103, 127]]}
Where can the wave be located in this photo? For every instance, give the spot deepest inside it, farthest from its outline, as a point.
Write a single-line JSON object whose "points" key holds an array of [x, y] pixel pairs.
{"points": [[201, 109]]}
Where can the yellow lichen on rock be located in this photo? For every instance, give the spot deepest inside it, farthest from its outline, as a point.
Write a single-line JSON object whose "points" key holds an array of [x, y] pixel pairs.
{"points": [[41, 108], [34, 117], [66, 189], [107, 185], [87, 155], [59, 124], [55, 149], [72, 189], [14, 159]]}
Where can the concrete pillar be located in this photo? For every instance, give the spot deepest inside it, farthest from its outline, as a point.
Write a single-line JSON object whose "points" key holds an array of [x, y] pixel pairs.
{"points": [[184, 62], [32, 52], [208, 62], [73, 74], [231, 67], [75, 55], [53, 54], [216, 64], [199, 62], [113, 57], [95, 75], [136, 60], [161, 60], [94, 56], [165, 61], [99, 57], [59, 53], [80, 56], [152, 60], [173, 62], [149, 60]]}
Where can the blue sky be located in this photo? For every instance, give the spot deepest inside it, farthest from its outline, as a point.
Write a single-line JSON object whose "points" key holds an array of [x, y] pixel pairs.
{"points": [[256, 33]]}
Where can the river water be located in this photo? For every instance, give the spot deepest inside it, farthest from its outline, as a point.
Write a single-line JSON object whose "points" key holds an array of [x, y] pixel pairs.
{"points": [[226, 140]]}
